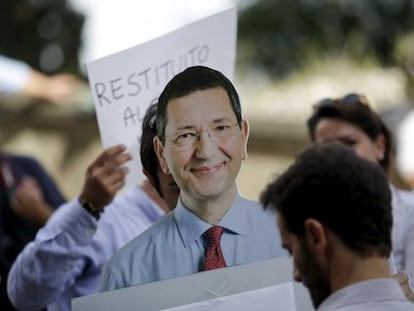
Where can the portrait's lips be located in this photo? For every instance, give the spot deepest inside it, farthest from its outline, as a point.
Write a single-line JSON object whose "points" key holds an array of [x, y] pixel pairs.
{"points": [[206, 170]]}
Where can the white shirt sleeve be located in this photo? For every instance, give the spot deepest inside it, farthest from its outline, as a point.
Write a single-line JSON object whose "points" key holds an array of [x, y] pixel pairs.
{"points": [[405, 145], [14, 75]]}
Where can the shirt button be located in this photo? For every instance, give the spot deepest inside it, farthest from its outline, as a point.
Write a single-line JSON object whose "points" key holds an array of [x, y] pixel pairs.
{"points": [[67, 267]]}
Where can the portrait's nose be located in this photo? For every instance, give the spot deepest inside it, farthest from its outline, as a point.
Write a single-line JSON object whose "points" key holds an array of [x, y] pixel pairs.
{"points": [[205, 145], [200, 134]]}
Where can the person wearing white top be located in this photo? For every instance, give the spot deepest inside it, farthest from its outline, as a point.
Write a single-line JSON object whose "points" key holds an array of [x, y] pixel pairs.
{"points": [[350, 121]]}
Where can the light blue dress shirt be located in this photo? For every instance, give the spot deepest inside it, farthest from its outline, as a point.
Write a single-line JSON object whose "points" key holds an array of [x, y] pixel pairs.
{"points": [[174, 246], [67, 256], [372, 295]]}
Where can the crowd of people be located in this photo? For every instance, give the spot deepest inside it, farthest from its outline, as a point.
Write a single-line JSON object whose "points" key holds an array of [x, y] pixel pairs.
{"points": [[335, 210], [28, 193]]}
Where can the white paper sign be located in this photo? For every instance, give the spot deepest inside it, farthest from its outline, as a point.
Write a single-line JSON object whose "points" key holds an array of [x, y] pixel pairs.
{"points": [[124, 84], [261, 285], [280, 297]]}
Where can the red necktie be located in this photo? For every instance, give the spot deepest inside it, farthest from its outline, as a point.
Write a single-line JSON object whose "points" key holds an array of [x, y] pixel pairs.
{"points": [[214, 256]]}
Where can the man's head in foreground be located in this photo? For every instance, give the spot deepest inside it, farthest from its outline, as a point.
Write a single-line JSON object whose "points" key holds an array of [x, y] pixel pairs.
{"points": [[334, 217]]}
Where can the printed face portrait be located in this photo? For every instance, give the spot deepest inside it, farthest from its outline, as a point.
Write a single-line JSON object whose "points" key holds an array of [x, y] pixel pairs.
{"points": [[204, 144]]}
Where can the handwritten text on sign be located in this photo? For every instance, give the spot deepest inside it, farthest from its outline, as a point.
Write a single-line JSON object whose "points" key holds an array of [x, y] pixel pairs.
{"points": [[126, 83], [135, 83]]}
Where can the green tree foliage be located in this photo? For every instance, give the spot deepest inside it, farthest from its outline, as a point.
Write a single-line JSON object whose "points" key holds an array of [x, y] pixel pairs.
{"points": [[43, 33], [280, 36]]}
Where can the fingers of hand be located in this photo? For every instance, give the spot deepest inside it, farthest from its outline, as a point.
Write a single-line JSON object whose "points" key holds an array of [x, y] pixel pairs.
{"points": [[110, 153], [108, 162], [116, 162], [113, 177], [117, 181], [102, 185]]}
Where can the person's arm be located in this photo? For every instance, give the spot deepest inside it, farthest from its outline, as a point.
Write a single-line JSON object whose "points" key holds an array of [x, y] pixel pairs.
{"points": [[14, 75], [55, 260], [404, 281], [55, 89], [18, 78]]}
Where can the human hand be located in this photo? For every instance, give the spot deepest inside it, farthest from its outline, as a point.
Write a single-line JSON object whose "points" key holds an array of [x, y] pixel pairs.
{"points": [[404, 281], [27, 201], [105, 177]]}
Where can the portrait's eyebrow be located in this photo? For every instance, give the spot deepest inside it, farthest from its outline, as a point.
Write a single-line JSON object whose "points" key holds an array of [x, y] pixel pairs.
{"points": [[221, 119], [185, 127], [192, 127]]}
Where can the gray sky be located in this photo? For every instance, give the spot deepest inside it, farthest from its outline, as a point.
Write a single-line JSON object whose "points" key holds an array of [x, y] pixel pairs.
{"points": [[114, 25]]}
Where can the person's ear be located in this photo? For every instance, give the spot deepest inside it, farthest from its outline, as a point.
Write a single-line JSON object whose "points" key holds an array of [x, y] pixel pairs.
{"points": [[159, 150], [245, 136], [380, 145], [315, 235]]}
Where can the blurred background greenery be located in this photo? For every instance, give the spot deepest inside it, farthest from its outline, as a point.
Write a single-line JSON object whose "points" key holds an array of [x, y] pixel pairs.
{"points": [[46, 34], [281, 37], [289, 55]]}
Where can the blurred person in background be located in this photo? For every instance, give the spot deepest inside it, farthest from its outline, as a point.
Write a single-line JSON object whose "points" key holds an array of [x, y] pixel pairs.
{"points": [[28, 196], [67, 256], [19, 79], [350, 121], [335, 217]]}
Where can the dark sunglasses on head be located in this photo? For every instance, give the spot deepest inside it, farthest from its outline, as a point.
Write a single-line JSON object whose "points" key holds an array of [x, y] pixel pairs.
{"points": [[349, 99]]}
